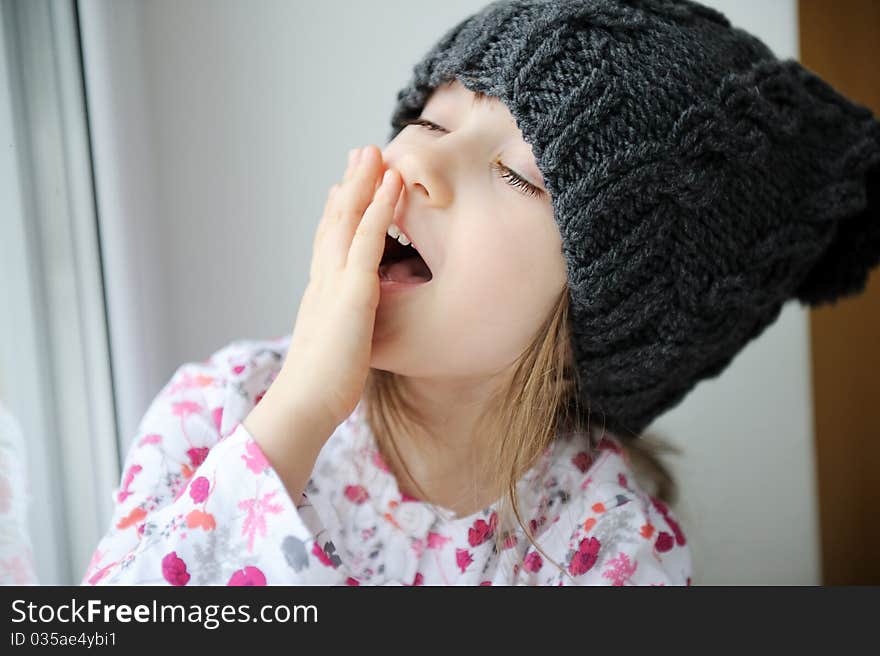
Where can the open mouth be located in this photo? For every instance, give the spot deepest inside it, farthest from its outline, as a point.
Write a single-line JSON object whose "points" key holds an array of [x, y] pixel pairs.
{"points": [[403, 264]]}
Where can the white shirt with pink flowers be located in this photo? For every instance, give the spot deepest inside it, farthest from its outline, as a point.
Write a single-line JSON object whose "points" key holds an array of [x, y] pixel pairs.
{"points": [[199, 504]]}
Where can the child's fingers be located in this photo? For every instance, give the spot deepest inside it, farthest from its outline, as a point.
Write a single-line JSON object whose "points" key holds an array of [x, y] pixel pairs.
{"points": [[324, 254], [357, 191], [368, 242], [354, 156], [325, 224]]}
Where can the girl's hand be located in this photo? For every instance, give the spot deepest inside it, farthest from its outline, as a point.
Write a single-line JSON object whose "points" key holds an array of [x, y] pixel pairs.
{"points": [[325, 370]]}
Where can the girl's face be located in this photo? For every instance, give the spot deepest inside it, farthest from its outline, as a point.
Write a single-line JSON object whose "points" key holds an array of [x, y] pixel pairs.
{"points": [[493, 246]]}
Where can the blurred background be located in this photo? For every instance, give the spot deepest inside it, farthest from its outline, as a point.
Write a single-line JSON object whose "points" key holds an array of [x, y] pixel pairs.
{"points": [[163, 168]]}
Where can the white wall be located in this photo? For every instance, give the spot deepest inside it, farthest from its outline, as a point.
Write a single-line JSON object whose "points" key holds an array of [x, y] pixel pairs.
{"points": [[218, 128]]}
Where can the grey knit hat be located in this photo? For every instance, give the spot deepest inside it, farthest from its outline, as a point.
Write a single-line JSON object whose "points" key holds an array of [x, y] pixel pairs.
{"points": [[698, 182]]}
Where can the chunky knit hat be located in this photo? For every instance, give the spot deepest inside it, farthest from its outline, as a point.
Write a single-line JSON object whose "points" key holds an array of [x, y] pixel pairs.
{"points": [[698, 182]]}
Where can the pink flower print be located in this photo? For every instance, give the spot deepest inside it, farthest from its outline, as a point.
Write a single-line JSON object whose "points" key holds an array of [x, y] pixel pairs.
{"points": [[378, 462], [485, 582], [664, 542], [97, 576], [96, 558], [197, 455], [436, 541], [533, 562], [510, 541], [237, 369], [463, 558], [585, 557], [406, 497], [352, 581], [256, 515], [187, 382], [249, 575], [124, 493], [482, 531], [582, 461], [185, 408], [620, 569], [255, 458], [198, 489], [260, 396], [217, 415], [356, 493], [152, 438], [174, 569], [419, 579]]}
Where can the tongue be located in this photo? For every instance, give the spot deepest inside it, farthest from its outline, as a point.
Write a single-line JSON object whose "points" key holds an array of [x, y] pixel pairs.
{"points": [[412, 269]]}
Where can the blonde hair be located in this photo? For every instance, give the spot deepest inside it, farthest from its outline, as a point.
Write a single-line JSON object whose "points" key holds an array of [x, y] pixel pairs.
{"points": [[521, 421]]}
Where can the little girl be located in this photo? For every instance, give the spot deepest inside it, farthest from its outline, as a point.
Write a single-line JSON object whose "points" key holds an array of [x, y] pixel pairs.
{"points": [[584, 208]]}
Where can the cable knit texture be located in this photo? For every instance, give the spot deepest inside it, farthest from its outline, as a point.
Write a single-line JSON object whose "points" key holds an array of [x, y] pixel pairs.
{"points": [[698, 182]]}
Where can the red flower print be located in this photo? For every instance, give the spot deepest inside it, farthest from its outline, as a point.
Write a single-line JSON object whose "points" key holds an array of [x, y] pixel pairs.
{"points": [[533, 562], [621, 480], [608, 444], [259, 397], [485, 582], [585, 558], [510, 541], [198, 489], [664, 542], [248, 576], [482, 531], [356, 493], [463, 558], [197, 455], [419, 579], [324, 557], [352, 581], [647, 530], [174, 569], [582, 461], [676, 529], [660, 506]]}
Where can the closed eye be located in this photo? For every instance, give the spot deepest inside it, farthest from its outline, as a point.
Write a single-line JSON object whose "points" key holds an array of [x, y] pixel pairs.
{"points": [[508, 174]]}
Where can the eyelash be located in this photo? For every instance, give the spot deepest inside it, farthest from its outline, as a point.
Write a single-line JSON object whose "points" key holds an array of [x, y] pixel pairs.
{"points": [[512, 178]]}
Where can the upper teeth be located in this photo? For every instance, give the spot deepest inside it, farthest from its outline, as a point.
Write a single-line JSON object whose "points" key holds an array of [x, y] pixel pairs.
{"points": [[395, 233]]}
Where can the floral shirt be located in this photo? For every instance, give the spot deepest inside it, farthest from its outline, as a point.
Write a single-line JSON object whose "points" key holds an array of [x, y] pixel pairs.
{"points": [[17, 565], [199, 504]]}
